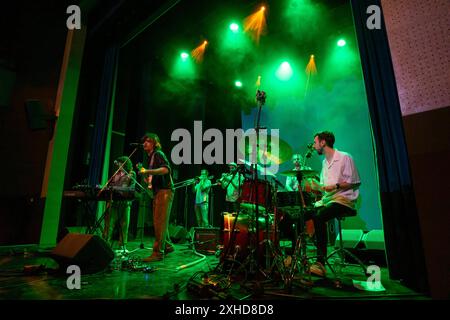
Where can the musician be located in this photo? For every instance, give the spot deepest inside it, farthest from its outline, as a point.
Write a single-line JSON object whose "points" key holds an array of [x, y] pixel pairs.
{"points": [[232, 182], [339, 183], [160, 182], [119, 210], [292, 181], [201, 189]]}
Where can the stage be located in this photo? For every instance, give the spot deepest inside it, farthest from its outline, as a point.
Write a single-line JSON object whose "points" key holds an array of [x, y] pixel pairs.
{"points": [[170, 280]]}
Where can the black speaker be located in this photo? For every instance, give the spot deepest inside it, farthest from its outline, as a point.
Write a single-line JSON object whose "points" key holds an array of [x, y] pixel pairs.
{"points": [[37, 117], [206, 240], [177, 233], [90, 252], [7, 81]]}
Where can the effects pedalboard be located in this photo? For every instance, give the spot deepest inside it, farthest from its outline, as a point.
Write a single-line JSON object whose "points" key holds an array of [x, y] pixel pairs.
{"points": [[207, 287]]}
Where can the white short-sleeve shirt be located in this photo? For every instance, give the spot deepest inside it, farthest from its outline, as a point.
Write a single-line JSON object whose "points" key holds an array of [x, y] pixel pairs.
{"points": [[340, 169]]}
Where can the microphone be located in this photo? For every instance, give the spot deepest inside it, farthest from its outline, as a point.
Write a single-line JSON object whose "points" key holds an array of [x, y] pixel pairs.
{"points": [[310, 148], [135, 144]]}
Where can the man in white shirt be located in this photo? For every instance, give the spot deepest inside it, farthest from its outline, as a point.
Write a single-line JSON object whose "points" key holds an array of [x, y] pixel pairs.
{"points": [[232, 182], [339, 183], [201, 188]]}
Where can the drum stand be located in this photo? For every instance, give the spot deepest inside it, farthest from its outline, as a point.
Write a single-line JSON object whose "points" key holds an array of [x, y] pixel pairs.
{"points": [[254, 259], [300, 262]]}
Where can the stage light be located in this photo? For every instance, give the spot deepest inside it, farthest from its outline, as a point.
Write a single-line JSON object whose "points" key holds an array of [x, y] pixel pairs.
{"points": [[198, 53], [341, 42], [256, 24], [284, 71], [234, 27], [184, 56], [238, 83]]}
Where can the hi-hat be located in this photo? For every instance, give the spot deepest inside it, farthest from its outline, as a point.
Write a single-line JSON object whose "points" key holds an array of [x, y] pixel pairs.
{"points": [[303, 172], [280, 150]]}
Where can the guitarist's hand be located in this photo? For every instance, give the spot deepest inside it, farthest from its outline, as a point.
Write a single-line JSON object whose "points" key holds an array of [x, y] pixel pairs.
{"points": [[141, 169]]}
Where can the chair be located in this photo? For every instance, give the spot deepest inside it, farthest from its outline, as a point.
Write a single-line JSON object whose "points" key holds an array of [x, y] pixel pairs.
{"points": [[342, 252]]}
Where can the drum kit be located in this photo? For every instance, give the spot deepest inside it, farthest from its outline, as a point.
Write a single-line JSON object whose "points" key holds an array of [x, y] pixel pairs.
{"points": [[251, 237]]}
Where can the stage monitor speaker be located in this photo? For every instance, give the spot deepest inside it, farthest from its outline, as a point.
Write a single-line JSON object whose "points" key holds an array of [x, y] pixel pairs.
{"points": [[206, 240], [350, 238], [90, 252], [374, 240], [177, 234]]}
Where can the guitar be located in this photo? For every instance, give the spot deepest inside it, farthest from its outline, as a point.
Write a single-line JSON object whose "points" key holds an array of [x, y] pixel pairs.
{"points": [[147, 180]]}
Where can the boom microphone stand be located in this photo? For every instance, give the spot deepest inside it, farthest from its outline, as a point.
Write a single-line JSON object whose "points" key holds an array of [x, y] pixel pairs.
{"points": [[102, 217]]}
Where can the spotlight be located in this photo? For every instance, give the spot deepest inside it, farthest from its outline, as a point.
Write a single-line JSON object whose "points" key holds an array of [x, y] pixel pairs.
{"points": [[284, 71], [234, 27], [341, 42], [184, 55], [238, 83]]}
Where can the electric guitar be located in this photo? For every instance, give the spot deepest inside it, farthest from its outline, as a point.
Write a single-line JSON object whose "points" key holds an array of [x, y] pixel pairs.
{"points": [[147, 180]]}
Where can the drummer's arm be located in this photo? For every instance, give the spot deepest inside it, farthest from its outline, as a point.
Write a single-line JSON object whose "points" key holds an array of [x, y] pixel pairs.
{"points": [[341, 186], [315, 185]]}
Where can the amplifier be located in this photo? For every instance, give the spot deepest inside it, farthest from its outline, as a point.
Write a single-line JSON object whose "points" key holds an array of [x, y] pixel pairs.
{"points": [[206, 240]]}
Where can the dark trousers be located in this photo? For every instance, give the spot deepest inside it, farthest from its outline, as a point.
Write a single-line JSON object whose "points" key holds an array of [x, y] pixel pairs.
{"points": [[232, 206], [321, 217]]}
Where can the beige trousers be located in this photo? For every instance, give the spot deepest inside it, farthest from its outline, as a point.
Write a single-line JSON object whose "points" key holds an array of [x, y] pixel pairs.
{"points": [[162, 204]]}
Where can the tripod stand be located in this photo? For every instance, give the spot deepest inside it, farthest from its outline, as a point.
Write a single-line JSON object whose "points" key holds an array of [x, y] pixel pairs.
{"points": [[299, 262], [255, 258]]}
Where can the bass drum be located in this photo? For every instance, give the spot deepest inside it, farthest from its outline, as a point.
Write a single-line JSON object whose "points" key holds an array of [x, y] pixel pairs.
{"points": [[240, 243]]}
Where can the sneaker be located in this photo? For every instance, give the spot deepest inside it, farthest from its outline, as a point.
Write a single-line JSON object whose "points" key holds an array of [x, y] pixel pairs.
{"points": [[318, 269], [156, 256]]}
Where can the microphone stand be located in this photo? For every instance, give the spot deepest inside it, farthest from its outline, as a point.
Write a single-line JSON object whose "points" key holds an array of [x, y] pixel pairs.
{"points": [[141, 245], [184, 184], [119, 169], [102, 217], [260, 98]]}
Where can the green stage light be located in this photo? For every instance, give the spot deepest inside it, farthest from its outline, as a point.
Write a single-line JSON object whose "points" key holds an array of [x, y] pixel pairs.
{"points": [[238, 83], [284, 71], [184, 55], [234, 27], [341, 42]]}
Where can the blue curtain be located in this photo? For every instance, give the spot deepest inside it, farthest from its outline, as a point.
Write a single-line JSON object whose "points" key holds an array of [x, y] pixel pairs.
{"points": [[404, 248], [102, 115]]}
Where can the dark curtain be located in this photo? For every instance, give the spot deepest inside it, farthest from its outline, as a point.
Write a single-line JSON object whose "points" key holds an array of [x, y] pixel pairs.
{"points": [[404, 247], [102, 115]]}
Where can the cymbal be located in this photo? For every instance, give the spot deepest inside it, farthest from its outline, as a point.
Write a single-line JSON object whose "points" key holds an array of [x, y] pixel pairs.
{"points": [[261, 170], [271, 148], [304, 172]]}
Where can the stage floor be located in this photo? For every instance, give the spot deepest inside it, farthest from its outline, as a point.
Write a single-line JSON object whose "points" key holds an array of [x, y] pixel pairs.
{"points": [[178, 277]]}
